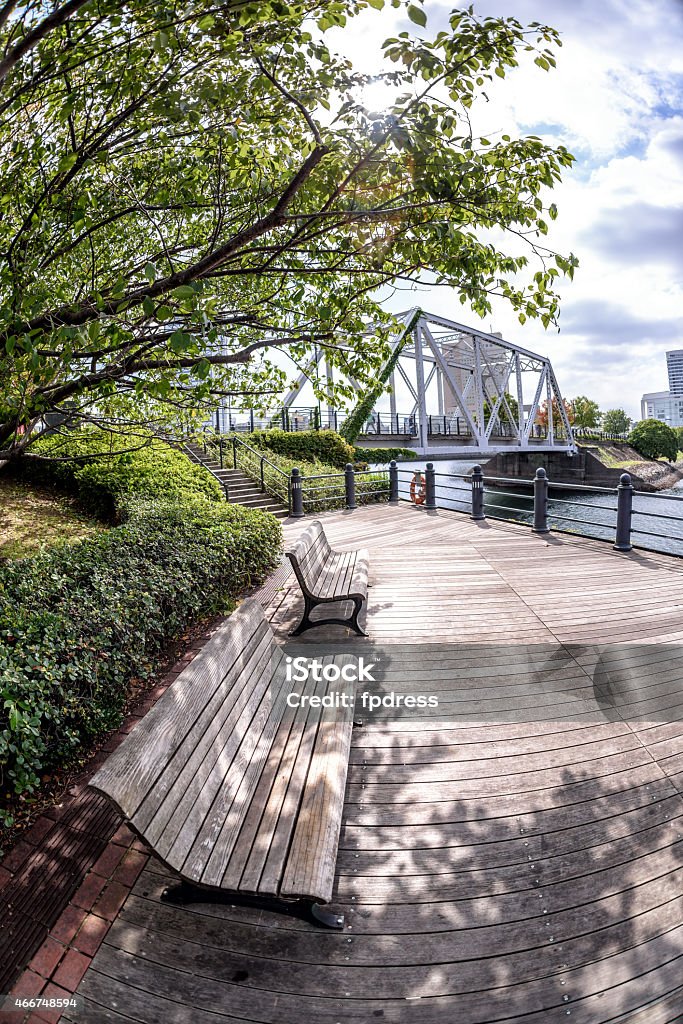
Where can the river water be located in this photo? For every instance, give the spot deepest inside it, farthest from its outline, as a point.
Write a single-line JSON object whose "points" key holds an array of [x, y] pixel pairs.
{"points": [[657, 522]]}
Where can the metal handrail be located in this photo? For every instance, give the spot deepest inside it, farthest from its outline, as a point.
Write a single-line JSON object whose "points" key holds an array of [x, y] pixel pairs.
{"points": [[484, 503], [222, 483], [259, 455]]}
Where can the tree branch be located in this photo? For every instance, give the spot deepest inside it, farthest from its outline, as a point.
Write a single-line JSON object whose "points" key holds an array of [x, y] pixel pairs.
{"points": [[58, 17]]}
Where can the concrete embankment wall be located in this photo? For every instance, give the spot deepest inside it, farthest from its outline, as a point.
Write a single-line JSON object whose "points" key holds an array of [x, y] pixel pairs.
{"points": [[598, 463]]}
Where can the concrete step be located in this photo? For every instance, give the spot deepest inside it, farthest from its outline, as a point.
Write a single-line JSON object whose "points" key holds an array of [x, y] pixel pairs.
{"points": [[256, 501], [239, 488], [242, 490]]}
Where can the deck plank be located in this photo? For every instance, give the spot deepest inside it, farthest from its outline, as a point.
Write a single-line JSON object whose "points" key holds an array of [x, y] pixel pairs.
{"points": [[518, 844]]}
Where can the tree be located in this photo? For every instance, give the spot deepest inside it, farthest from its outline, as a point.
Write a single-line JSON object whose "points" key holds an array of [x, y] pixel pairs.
{"points": [[508, 415], [615, 421], [558, 421], [586, 412], [186, 187], [654, 440], [679, 436]]}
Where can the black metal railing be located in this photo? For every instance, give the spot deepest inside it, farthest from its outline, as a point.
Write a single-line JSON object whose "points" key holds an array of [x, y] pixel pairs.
{"points": [[271, 478], [482, 498], [353, 487], [303, 494]]}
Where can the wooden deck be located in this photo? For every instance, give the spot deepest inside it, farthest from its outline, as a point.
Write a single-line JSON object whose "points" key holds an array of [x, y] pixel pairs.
{"points": [[515, 855]]}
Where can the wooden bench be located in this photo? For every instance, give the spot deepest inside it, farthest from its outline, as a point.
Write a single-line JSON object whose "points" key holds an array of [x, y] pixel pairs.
{"points": [[233, 788], [327, 576]]}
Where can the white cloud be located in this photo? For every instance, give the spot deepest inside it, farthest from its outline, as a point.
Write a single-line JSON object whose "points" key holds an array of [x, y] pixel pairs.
{"points": [[616, 101]]}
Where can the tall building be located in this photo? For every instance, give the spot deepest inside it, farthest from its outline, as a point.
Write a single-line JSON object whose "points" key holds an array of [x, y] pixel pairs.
{"points": [[667, 406], [674, 364], [664, 406]]}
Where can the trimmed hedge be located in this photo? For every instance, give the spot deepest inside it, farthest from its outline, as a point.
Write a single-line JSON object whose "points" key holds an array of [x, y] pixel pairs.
{"points": [[310, 445], [78, 623], [101, 479], [383, 455]]}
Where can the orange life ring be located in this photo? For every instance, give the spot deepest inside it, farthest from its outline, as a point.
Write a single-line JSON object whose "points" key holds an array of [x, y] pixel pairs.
{"points": [[418, 489]]}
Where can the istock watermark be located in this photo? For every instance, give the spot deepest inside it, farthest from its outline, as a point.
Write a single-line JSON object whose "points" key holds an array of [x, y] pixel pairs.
{"points": [[485, 683], [301, 669], [337, 681]]}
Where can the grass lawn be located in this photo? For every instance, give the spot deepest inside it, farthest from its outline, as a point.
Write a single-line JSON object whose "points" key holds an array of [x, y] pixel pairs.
{"points": [[33, 517]]}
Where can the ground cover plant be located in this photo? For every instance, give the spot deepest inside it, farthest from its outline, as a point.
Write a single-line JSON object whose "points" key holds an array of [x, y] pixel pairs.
{"points": [[35, 517]]}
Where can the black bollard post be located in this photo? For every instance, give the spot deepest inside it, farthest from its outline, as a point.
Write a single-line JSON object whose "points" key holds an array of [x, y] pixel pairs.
{"points": [[541, 502], [430, 486], [477, 493], [297, 493], [393, 483], [350, 482], [622, 540]]}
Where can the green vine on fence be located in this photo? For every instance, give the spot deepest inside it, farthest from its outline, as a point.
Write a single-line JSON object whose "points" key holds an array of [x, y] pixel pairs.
{"points": [[356, 421]]}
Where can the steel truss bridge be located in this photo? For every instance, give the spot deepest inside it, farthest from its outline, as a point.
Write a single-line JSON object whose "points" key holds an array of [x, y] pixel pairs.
{"points": [[468, 393]]}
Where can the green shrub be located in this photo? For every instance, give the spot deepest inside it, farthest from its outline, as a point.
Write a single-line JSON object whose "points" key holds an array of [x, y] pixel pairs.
{"points": [[101, 479], [78, 623], [654, 440], [308, 445], [383, 455]]}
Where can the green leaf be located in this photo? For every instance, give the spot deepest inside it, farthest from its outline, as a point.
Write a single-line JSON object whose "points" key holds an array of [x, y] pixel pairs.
{"points": [[180, 341], [183, 291], [160, 42], [67, 162], [150, 272], [417, 15]]}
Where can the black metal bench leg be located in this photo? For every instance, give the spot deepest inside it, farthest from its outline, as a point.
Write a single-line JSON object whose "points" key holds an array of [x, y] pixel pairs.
{"points": [[185, 892], [357, 606], [326, 917], [305, 618]]}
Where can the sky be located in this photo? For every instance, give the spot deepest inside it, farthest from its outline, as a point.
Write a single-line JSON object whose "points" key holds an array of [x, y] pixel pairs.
{"points": [[615, 101]]}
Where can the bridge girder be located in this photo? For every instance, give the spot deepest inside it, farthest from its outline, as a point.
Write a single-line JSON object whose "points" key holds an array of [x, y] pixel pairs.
{"points": [[472, 375]]}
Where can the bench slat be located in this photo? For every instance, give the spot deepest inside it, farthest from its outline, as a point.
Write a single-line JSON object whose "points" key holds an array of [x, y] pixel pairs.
{"points": [[344, 582], [251, 849], [282, 792], [211, 853], [126, 778], [212, 737], [359, 581], [316, 835], [333, 572], [214, 784], [276, 860]]}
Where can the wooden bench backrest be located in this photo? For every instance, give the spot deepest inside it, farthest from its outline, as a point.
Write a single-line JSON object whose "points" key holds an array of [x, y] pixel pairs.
{"points": [[309, 553], [190, 761]]}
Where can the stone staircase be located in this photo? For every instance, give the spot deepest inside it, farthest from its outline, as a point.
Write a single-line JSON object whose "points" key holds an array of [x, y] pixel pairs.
{"points": [[239, 488]]}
